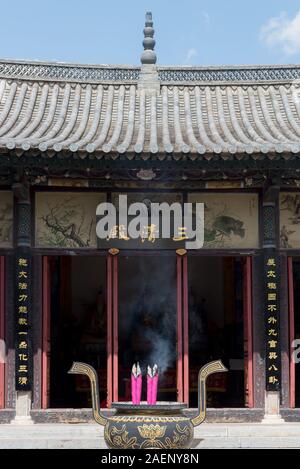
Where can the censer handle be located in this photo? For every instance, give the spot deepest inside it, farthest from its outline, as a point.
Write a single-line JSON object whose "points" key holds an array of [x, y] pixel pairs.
{"points": [[209, 369], [79, 368]]}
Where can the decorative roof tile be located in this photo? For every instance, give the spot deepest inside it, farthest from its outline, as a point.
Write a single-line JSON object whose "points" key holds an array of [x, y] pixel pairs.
{"points": [[102, 111]]}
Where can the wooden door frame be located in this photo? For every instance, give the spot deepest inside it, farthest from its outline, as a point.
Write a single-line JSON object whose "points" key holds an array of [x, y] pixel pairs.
{"points": [[248, 330], [112, 328], [291, 331], [182, 330], [182, 378], [2, 331], [46, 333]]}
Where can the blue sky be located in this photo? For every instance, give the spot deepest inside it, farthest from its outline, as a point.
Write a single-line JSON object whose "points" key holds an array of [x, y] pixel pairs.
{"points": [[188, 32]]}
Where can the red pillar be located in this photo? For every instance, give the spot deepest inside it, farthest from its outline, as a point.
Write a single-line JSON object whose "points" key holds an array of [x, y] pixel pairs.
{"points": [[109, 333], [179, 331], [2, 333], [248, 336], [292, 331], [185, 331], [46, 333], [115, 330]]}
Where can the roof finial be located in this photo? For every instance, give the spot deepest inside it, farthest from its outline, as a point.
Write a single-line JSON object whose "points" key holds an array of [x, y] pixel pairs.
{"points": [[148, 56]]}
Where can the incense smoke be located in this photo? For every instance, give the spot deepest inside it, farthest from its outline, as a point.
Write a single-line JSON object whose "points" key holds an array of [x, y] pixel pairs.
{"points": [[148, 313], [149, 317]]}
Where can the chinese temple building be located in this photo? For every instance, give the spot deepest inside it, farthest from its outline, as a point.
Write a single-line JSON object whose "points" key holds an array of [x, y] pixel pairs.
{"points": [[72, 136]]}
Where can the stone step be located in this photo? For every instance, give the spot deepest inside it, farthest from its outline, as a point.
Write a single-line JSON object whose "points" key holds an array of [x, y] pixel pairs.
{"points": [[90, 436], [98, 443], [204, 430]]}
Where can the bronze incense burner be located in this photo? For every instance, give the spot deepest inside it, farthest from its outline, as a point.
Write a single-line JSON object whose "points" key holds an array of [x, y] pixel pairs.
{"points": [[160, 426]]}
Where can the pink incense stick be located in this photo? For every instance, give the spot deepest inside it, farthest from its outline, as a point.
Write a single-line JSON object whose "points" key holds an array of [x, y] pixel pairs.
{"points": [[139, 381], [154, 385], [149, 386], [133, 385]]}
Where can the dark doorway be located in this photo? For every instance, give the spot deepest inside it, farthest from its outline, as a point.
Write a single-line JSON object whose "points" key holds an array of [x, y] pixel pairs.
{"points": [[77, 328], [295, 331], [147, 321], [216, 328]]}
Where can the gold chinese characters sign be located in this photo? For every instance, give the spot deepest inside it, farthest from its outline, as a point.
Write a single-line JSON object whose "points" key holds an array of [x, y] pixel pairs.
{"points": [[23, 303], [272, 323], [150, 233]]}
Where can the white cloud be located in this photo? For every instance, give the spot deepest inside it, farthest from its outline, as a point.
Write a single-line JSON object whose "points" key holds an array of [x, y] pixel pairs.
{"points": [[191, 53], [282, 32]]}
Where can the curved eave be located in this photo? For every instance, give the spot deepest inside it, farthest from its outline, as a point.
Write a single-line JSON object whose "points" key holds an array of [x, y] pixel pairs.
{"points": [[140, 157]]}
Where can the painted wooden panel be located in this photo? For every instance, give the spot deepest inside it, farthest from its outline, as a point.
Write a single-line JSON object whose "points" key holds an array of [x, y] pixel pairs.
{"points": [[290, 220], [67, 219], [230, 220]]}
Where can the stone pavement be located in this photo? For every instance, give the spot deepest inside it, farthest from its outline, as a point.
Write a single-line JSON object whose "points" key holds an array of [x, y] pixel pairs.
{"points": [[286, 435]]}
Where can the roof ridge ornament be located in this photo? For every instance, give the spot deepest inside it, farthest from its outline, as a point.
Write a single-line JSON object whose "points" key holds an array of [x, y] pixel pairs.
{"points": [[148, 56], [148, 78]]}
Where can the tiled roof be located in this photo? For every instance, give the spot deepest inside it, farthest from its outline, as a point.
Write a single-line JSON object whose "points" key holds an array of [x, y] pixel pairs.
{"points": [[101, 110]]}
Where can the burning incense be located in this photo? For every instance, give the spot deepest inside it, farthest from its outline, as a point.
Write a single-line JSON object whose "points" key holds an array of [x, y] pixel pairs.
{"points": [[133, 384], [136, 384], [149, 385], [152, 384]]}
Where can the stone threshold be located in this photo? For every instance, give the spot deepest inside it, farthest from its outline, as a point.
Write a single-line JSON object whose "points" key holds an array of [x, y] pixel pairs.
{"points": [[81, 416], [229, 415]]}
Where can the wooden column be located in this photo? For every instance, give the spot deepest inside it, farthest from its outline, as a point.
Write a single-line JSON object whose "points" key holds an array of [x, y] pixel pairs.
{"points": [[248, 338], [186, 386], [182, 328], [46, 337], [2, 333], [23, 307], [271, 283], [115, 331], [112, 328], [291, 331], [109, 331], [23, 299], [179, 331]]}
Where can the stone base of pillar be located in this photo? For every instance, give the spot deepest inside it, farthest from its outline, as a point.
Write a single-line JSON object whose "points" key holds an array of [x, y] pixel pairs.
{"points": [[23, 407], [272, 409], [272, 420]]}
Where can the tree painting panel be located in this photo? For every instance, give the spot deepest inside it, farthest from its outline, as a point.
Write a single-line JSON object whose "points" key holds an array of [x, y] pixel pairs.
{"points": [[230, 219], [67, 219], [6, 219], [290, 220]]}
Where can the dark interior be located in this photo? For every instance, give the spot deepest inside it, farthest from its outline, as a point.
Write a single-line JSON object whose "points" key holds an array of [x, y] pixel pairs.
{"points": [[147, 325]]}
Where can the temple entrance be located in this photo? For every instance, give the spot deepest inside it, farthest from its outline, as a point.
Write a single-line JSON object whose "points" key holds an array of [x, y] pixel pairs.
{"points": [[218, 320], [74, 328], [178, 312], [147, 321]]}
